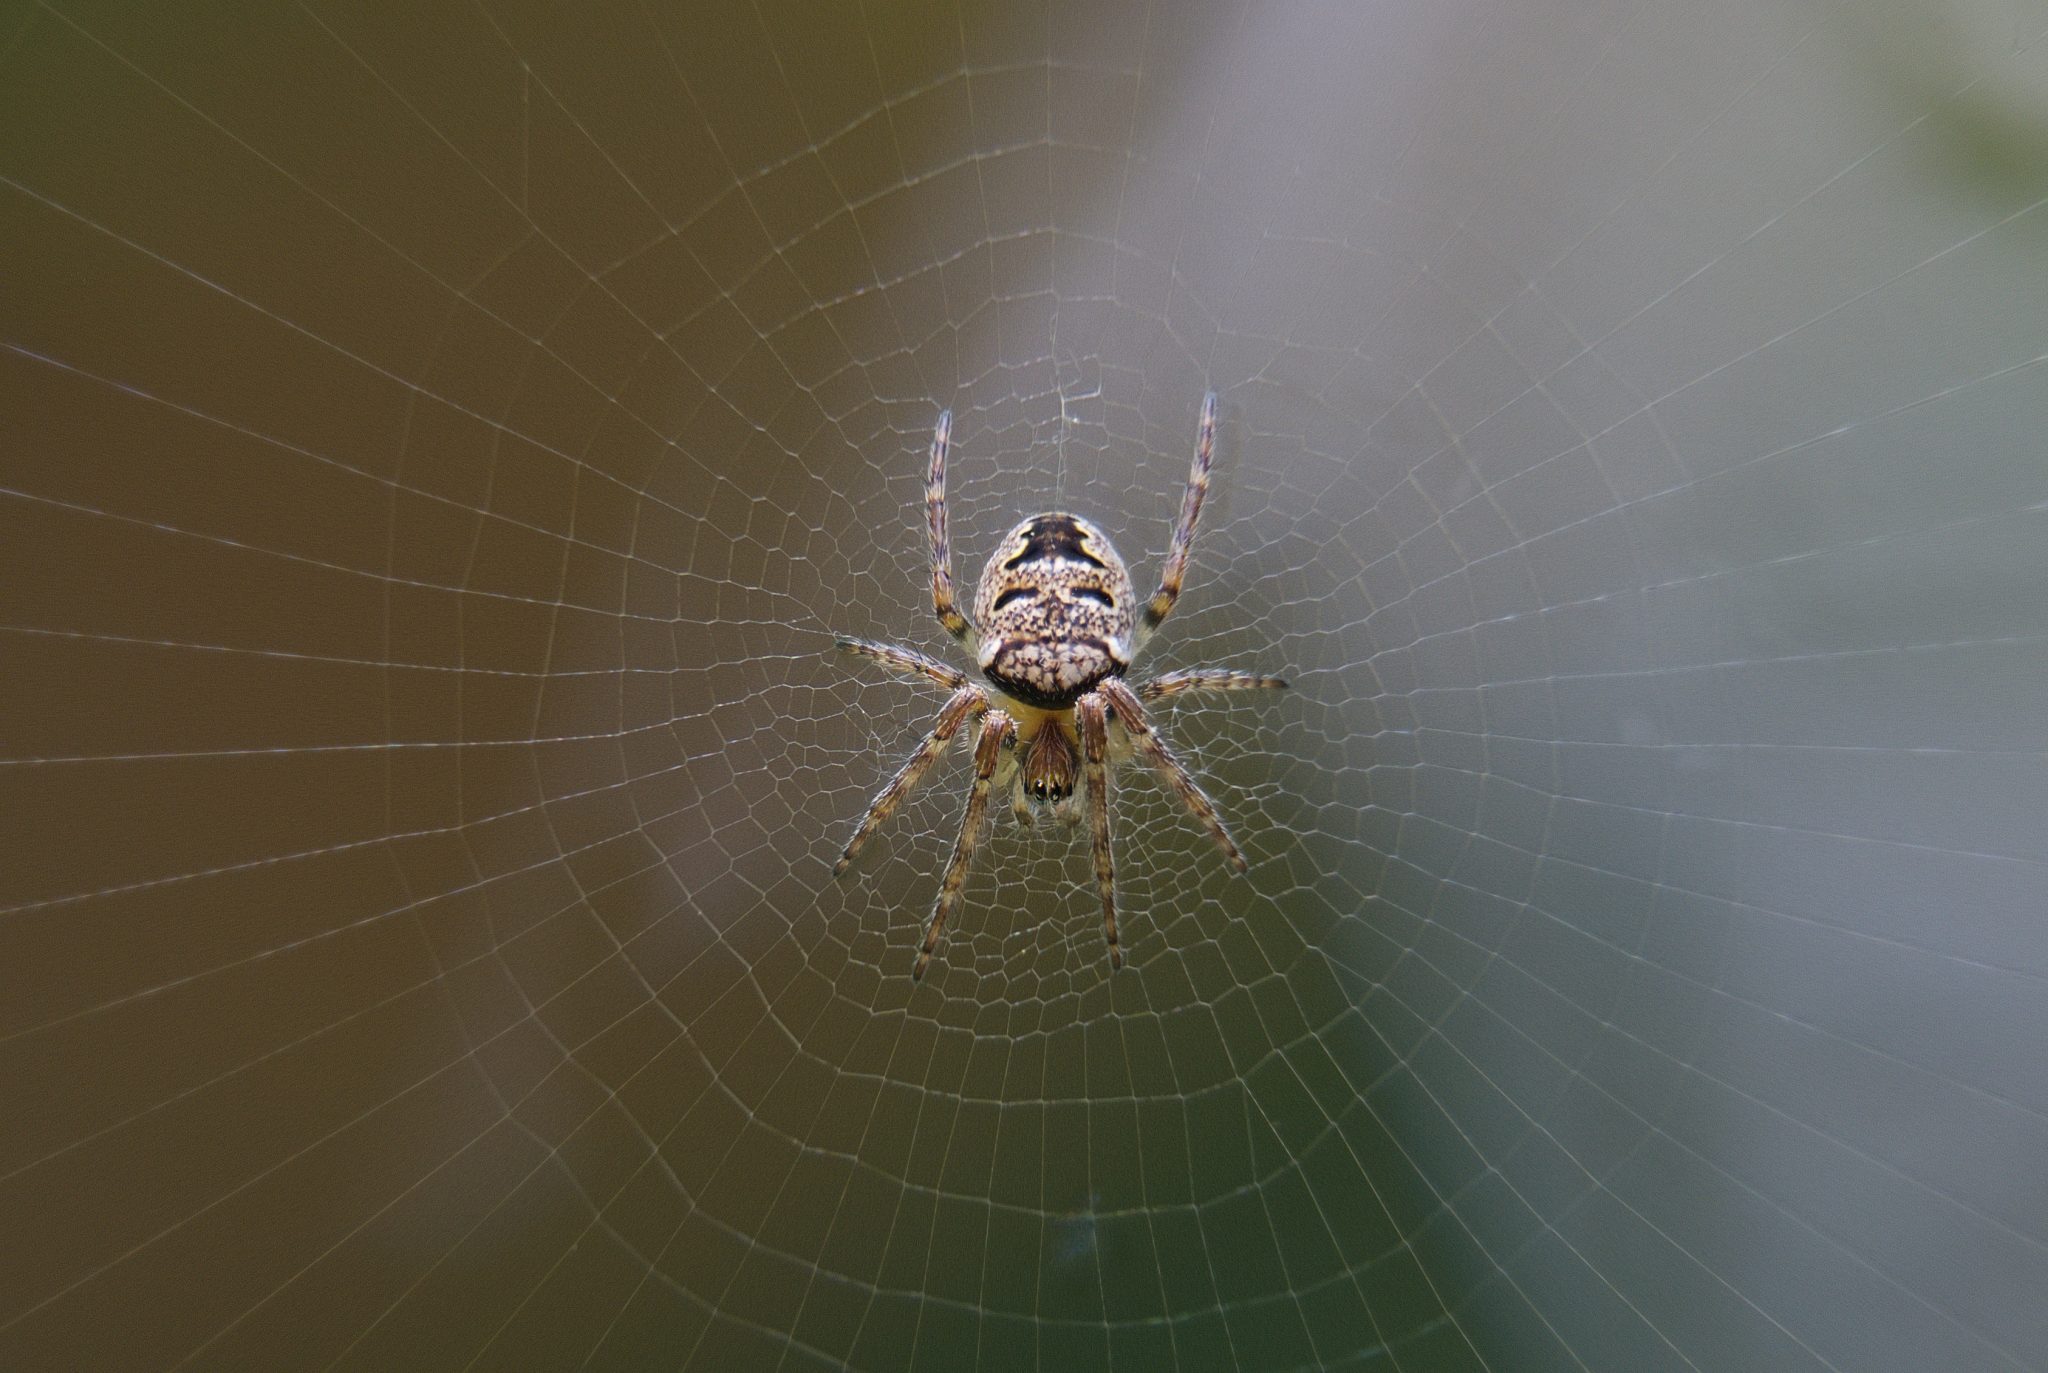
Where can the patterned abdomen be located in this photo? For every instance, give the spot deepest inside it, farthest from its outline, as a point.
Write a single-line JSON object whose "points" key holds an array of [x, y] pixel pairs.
{"points": [[1054, 610]]}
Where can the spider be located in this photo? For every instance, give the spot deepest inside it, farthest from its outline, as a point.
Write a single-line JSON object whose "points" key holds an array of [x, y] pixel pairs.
{"points": [[1055, 629]]}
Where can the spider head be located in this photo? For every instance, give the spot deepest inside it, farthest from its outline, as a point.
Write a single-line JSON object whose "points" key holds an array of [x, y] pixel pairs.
{"points": [[1050, 765]]}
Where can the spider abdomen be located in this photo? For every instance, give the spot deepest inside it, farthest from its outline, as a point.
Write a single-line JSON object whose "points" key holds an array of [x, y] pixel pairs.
{"points": [[1054, 609]]}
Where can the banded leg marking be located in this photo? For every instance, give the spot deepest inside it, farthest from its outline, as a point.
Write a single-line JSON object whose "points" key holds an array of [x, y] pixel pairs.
{"points": [[997, 730], [968, 699], [903, 660], [1125, 703], [1208, 679], [1091, 714], [943, 602], [1175, 572]]}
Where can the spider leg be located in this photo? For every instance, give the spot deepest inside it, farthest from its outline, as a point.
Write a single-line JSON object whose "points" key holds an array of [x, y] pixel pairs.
{"points": [[948, 612], [967, 700], [1176, 569], [997, 730], [1208, 679], [1092, 715], [1132, 715], [903, 660]]}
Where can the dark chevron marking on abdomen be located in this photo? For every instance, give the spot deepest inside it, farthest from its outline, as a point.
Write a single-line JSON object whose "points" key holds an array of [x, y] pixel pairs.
{"points": [[1054, 536]]}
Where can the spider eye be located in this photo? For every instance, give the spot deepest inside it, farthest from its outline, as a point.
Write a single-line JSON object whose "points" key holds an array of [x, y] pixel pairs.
{"points": [[1014, 594], [1097, 595]]}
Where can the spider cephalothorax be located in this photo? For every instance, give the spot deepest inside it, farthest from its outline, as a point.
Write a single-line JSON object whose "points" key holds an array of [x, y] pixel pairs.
{"points": [[1051, 763], [1059, 626]]}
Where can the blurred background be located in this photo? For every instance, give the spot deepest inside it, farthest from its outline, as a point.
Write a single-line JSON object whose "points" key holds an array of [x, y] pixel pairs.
{"points": [[438, 445]]}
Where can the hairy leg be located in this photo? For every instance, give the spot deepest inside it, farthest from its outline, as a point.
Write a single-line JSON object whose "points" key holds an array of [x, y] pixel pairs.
{"points": [[967, 700], [1132, 716], [1091, 713], [1208, 679], [997, 730], [943, 603], [1175, 571], [903, 660]]}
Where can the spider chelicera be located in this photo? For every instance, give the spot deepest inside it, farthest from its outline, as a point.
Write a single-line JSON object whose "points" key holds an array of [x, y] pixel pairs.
{"points": [[1055, 628]]}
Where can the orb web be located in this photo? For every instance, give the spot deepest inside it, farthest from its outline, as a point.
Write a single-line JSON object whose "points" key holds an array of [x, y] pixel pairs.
{"points": [[445, 446]]}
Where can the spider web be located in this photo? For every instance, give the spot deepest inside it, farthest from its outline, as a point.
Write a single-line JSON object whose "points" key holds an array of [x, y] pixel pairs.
{"points": [[442, 443]]}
